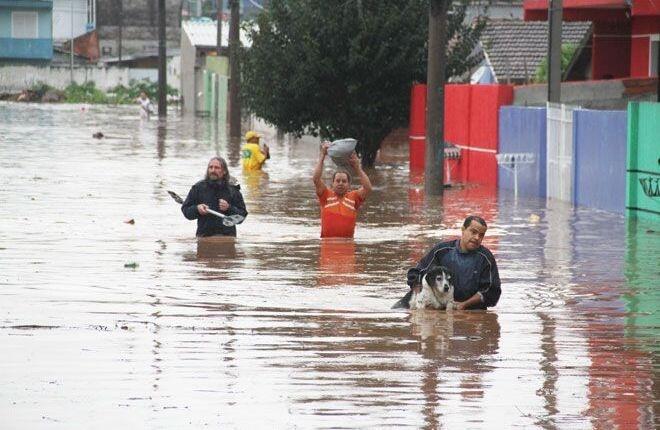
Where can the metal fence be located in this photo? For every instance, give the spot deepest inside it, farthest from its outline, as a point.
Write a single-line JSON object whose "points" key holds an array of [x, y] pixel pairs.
{"points": [[560, 151]]}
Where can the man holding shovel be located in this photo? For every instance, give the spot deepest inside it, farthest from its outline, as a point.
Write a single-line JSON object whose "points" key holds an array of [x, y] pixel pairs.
{"points": [[339, 205], [217, 193]]}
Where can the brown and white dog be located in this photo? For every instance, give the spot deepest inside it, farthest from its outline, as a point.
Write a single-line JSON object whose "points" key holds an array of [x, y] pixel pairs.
{"points": [[437, 292]]}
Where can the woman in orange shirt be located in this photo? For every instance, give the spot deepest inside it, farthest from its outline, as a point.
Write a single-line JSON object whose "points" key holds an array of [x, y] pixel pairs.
{"points": [[339, 205]]}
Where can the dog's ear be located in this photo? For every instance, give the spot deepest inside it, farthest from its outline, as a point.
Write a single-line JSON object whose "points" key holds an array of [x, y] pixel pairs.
{"points": [[446, 271], [431, 276]]}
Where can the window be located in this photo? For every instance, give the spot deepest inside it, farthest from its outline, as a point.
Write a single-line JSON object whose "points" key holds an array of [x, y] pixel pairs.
{"points": [[24, 25]]}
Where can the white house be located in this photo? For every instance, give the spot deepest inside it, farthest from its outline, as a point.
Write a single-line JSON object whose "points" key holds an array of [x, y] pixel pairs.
{"points": [[72, 18]]}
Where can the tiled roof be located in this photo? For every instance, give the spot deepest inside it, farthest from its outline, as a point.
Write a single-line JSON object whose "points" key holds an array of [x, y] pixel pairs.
{"points": [[514, 45]]}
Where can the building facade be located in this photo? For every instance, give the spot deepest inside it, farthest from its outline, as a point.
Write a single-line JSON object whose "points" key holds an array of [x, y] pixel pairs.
{"points": [[26, 31], [626, 34]]}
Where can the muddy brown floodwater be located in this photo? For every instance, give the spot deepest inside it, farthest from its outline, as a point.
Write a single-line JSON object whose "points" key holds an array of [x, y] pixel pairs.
{"points": [[279, 329]]}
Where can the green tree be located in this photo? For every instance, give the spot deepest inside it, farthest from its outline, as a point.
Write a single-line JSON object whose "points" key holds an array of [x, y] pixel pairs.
{"points": [[344, 68], [567, 53]]}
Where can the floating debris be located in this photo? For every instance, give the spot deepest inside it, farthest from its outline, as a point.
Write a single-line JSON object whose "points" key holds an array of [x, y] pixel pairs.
{"points": [[132, 265], [129, 221]]}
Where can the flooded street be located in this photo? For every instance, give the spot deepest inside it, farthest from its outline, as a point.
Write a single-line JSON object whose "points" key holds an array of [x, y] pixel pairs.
{"points": [[279, 329]]}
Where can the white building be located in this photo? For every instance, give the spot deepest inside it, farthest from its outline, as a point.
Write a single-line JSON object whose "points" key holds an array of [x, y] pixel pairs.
{"points": [[72, 18]]}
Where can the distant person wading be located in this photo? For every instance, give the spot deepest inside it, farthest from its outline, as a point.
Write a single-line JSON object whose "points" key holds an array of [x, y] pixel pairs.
{"points": [[218, 191], [339, 205], [254, 155]]}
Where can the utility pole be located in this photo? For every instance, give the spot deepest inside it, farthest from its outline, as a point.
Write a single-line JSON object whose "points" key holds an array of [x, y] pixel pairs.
{"points": [[162, 61], [71, 58], [234, 71], [120, 25], [220, 4], [435, 97], [554, 50]]}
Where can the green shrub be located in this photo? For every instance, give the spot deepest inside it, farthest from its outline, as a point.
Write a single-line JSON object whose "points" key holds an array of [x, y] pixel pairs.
{"points": [[88, 93], [84, 93], [40, 88], [126, 95], [567, 52]]}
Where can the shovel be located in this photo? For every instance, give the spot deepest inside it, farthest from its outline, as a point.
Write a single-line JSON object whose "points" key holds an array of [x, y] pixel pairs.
{"points": [[227, 220]]}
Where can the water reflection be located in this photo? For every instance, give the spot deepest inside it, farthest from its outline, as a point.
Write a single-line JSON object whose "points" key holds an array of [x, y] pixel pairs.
{"points": [[161, 137], [459, 349], [203, 332], [337, 262], [255, 182]]}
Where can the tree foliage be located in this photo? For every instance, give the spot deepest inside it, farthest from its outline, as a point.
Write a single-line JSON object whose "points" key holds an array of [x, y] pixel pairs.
{"points": [[568, 51], [344, 68]]}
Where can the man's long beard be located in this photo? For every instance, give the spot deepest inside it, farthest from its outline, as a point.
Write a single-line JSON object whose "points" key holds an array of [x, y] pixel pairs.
{"points": [[217, 183]]}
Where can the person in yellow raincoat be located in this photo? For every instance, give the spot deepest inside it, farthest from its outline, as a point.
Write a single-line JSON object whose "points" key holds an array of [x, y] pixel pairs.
{"points": [[253, 154]]}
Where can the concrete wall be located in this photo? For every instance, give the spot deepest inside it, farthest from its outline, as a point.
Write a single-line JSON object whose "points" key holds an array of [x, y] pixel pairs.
{"points": [[609, 94], [135, 40], [187, 82], [13, 79]]}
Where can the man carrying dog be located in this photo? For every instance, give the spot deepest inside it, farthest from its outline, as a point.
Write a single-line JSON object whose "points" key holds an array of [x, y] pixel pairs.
{"points": [[475, 277], [339, 205], [219, 192]]}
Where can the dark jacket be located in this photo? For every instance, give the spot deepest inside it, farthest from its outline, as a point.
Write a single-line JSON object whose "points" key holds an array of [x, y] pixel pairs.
{"points": [[209, 192], [472, 272]]}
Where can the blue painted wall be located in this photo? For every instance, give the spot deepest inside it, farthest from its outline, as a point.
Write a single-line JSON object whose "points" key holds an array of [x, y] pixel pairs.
{"points": [[40, 48], [26, 49], [45, 24], [600, 159], [5, 22], [523, 129]]}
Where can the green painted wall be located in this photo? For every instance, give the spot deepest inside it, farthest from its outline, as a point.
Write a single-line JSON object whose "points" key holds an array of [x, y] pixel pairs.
{"points": [[643, 167], [207, 91], [218, 65], [223, 90]]}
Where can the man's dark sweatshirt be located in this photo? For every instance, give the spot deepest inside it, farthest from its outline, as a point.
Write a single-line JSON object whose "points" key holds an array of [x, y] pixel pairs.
{"points": [[209, 192], [472, 272]]}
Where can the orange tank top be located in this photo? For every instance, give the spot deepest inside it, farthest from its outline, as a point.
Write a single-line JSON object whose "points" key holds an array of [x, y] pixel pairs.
{"points": [[338, 214]]}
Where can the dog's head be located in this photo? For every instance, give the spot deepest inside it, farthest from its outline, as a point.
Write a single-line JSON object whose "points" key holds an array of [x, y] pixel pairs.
{"points": [[438, 281]]}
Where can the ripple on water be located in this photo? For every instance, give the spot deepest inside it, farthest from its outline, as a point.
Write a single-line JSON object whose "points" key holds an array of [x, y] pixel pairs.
{"points": [[143, 324]]}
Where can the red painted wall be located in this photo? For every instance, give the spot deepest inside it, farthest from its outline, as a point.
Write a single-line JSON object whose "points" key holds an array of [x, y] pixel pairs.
{"points": [[639, 57], [471, 123], [646, 7], [457, 126], [484, 131], [611, 50], [642, 26]]}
